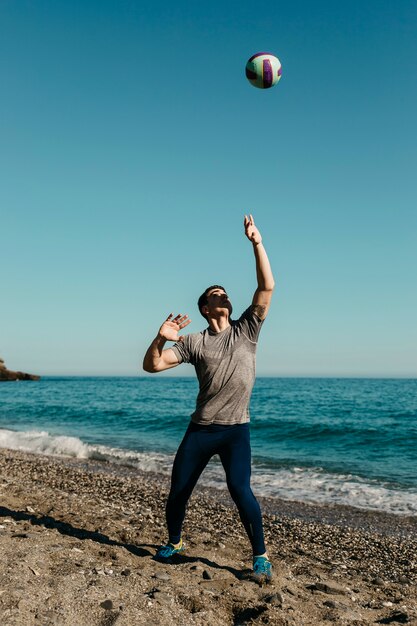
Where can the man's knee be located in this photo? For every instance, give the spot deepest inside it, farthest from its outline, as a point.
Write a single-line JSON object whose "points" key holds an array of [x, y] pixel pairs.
{"points": [[179, 496], [240, 492]]}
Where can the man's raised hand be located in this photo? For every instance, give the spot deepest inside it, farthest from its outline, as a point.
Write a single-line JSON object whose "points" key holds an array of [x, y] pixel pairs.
{"points": [[172, 325], [251, 232]]}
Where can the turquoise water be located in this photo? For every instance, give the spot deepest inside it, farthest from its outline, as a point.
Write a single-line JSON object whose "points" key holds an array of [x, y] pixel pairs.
{"points": [[351, 441]]}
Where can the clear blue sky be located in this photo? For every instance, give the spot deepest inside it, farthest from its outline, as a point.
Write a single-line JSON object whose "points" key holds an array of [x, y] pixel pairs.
{"points": [[131, 145]]}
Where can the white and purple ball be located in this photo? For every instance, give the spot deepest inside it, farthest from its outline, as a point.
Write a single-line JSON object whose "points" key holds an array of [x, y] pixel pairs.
{"points": [[263, 70]]}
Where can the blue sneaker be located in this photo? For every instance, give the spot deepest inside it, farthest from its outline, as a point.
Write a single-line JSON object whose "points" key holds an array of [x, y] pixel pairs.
{"points": [[166, 553], [262, 569]]}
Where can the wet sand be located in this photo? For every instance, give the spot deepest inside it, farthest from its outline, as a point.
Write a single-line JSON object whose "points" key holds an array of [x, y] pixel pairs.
{"points": [[77, 540]]}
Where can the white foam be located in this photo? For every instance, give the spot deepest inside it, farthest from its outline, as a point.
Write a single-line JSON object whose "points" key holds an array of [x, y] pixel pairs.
{"points": [[41, 442], [300, 484], [317, 486]]}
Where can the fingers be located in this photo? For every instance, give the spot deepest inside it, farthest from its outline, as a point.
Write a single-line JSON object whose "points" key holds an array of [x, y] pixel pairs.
{"points": [[185, 323], [180, 320]]}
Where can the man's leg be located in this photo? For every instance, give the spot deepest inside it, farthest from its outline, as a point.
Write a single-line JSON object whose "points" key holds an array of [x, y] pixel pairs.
{"points": [[235, 455], [190, 461]]}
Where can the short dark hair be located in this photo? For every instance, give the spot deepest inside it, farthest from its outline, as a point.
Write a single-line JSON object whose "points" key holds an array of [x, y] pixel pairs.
{"points": [[202, 301]]}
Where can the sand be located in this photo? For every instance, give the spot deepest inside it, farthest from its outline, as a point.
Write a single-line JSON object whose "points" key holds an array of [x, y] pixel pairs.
{"points": [[77, 540]]}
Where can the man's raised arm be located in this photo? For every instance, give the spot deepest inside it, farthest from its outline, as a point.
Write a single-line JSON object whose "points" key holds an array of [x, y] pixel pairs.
{"points": [[156, 358], [263, 294]]}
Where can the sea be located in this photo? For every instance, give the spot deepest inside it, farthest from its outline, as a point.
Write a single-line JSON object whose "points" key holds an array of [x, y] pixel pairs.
{"points": [[315, 440]]}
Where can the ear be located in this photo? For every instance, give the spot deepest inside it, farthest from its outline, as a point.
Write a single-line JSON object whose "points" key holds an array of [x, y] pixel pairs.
{"points": [[205, 309]]}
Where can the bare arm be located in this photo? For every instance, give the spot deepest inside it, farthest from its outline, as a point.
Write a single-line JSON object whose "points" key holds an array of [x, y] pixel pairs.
{"points": [[156, 358], [263, 294]]}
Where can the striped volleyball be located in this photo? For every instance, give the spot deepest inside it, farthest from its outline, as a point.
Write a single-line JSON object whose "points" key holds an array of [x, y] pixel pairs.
{"points": [[263, 70]]}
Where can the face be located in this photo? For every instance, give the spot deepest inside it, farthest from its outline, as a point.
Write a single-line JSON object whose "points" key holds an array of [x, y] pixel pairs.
{"points": [[217, 300]]}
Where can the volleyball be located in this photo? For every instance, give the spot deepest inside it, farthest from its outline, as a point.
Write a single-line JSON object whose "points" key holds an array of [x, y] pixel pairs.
{"points": [[263, 70]]}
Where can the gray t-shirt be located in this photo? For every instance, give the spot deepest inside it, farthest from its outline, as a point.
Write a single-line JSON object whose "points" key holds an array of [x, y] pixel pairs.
{"points": [[225, 366]]}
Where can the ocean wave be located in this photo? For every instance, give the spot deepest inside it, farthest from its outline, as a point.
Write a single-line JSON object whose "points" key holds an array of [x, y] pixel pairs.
{"points": [[312, 485], [41, 442], [320, 487]]}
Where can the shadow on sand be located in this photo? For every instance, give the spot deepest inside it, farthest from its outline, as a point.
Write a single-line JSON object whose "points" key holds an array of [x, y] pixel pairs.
{"points": [[140, 550]]}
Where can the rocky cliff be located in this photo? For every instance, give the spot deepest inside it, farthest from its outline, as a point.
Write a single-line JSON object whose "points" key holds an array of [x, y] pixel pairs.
{"points": [[6, 374]]}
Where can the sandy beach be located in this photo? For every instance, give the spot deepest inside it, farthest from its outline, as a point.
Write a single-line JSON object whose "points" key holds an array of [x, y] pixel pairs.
{"points": [[77, 540]]}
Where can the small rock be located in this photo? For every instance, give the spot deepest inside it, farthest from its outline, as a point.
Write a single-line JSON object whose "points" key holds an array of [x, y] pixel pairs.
{"points": [[207, 575], [162, 576], [221, 545], [332, 604], [327, 588], [126, 572], [107, 605], [275, 599], [401, 617], [30, 510], [98, 570], [196, 568], [108, 572], [387, 604]]}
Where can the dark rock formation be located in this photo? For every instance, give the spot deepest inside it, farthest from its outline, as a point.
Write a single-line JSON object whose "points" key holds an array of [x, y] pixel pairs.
{"points": [[6, 374]]}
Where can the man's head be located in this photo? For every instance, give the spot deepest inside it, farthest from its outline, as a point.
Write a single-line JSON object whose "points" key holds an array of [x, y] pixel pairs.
{"points": [[214, 301]]}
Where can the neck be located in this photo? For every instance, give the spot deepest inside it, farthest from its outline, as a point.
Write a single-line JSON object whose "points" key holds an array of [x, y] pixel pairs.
{"points": [[217, 324]]}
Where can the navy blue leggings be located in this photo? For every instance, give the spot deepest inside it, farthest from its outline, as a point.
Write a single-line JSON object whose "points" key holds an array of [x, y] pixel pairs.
{"points": [[200, 443]]}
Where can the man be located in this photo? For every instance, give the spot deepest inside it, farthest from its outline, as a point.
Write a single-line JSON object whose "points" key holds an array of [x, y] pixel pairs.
{"points": [[224, 358]]}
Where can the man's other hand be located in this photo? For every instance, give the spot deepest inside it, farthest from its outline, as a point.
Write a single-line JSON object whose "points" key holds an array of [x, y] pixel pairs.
{"points": [[251, 232], [172, 325]]}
